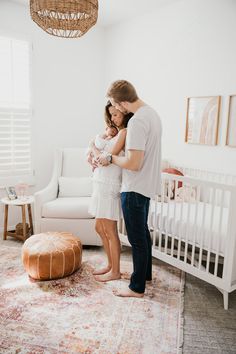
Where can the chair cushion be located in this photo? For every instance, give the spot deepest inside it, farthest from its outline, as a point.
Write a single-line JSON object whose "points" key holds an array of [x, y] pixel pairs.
{"points": [[75, 163], [75, 186], [52, 255], [67, 208]]}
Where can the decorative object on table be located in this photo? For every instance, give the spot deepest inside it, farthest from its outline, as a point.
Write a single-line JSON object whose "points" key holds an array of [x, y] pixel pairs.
{"points": [[202, 120], [11, 193], [52, 255], [68, 19], [22, 190], [231, 127], [81, 315]]}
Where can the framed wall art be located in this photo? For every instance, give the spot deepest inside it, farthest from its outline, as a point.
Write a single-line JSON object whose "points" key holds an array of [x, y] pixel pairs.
{"points": [[202, 122], [231, 126]]}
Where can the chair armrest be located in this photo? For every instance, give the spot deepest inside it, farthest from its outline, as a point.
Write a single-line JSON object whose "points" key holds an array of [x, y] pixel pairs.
{"points": [[41, 197], [48, 193]]}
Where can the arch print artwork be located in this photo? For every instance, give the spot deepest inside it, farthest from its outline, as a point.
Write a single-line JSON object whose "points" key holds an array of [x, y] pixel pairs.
{"points": [[231, 127], [202, 120]]}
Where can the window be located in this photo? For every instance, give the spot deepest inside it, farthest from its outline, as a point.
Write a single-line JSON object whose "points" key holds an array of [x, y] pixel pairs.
{"points": [[15, 111]]}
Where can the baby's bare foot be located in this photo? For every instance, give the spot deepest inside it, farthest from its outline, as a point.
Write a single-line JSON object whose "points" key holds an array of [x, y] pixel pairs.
{"points": [[108, 277], [102, 271]]}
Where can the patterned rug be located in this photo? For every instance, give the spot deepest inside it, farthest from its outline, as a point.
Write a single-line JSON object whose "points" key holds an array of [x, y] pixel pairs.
{"points": [[80, 315]]}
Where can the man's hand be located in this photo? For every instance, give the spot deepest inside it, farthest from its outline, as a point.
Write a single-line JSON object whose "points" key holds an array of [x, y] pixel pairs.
{"points": [[102, 159]]}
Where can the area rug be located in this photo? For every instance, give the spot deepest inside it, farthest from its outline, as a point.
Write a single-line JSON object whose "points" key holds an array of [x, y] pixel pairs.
{"points": [[80, 315]]}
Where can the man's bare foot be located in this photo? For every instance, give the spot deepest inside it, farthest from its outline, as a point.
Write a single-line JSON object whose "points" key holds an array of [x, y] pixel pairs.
{"points": [[108, 277], [102, 271], [127, 293]]}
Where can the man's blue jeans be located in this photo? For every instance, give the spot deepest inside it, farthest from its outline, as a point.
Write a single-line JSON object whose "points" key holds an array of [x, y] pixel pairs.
{"points": [[135, 208]]}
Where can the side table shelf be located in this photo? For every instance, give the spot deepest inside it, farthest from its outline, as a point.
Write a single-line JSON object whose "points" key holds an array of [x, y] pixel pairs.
{"points": [[22, 203]]}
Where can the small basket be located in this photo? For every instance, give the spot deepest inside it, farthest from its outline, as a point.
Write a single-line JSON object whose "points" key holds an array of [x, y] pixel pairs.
{"points": [[19, 229]]}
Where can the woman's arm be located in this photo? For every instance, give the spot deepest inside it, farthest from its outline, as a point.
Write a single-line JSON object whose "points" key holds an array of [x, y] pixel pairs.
{"points": [[96, 152], [90, 155], [97, 145], [120, 143]]}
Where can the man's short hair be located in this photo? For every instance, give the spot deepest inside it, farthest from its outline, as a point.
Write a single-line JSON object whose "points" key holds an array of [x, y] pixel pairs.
{"points": [[122, 91]]}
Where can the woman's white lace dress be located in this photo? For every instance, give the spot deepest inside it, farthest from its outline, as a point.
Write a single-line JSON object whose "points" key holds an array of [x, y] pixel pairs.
{"points": [[105, 201]]}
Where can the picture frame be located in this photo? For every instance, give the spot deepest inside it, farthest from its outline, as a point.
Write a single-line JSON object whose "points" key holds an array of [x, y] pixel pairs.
{"points": [[11, 193], [202, 120], [231, 125]]}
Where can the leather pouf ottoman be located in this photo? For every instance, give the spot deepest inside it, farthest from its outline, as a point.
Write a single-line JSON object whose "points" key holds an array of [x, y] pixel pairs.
{"points": [[51, 255]]}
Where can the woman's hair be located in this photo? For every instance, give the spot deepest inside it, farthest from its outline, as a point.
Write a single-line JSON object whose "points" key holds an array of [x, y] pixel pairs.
{"points": [[107, 116], [122, 91], [108, 120]]}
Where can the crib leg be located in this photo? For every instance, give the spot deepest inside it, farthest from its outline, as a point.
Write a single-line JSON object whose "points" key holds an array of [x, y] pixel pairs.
{"points": [[226, 299]]}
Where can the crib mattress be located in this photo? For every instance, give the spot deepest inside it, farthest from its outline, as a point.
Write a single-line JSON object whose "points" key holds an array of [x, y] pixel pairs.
{"points": [[198, 223]]}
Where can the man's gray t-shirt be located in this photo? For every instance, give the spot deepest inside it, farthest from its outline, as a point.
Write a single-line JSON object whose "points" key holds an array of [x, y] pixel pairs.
{"points": [[144, 133]]}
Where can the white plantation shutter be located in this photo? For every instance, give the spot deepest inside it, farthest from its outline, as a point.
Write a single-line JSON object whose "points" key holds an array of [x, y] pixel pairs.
{"points": [[15, 109]]}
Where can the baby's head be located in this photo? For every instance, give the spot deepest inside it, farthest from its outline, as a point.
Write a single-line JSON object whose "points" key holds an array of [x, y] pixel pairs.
{"points": [[111, 131]]}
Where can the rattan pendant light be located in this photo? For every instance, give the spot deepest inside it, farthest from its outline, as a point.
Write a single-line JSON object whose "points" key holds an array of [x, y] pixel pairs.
{"points": [[68, 19]]}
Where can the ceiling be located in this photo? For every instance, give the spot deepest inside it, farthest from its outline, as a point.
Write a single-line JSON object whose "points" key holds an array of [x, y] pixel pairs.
{"points": [[115, 11]]}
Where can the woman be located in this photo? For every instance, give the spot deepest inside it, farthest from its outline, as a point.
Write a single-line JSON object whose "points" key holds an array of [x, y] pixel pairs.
{"points": [[105, 201]]}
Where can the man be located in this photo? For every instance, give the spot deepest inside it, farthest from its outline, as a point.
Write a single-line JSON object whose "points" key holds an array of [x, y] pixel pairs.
{"points": [[140, 179]]}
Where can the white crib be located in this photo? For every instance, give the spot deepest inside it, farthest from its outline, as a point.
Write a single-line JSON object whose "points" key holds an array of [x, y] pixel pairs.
{"points": [[193, 226]]}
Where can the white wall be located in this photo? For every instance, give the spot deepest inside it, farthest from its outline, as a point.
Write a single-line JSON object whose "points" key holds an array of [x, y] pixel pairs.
{"points": [[186, 48], [67, 88]]}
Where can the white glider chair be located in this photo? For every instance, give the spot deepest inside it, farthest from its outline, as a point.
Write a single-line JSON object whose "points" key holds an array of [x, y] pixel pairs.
{"points": [[63, 204]]}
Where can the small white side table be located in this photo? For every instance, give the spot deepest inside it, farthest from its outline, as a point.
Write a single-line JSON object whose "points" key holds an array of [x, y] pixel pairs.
{"points": [[27, 201]]}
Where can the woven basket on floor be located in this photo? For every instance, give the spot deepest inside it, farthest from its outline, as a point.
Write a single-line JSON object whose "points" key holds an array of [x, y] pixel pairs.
{"points": [[19, 229], [69, 19]]}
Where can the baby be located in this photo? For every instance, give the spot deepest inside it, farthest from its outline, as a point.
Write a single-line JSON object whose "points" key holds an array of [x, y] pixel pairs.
{"points": [[100, 142]]}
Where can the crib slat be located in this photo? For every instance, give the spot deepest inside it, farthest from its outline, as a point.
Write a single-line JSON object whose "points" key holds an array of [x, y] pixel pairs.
{"points": [[174, 220], [155, 228], [196, 230], [202, 231], [219, 232], [210, 232], [179, 229], [161, 214], [167, 226], [187, 223]]}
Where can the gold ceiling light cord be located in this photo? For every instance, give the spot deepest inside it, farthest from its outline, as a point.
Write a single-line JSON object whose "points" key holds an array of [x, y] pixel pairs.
{"points": [[68, 19]]}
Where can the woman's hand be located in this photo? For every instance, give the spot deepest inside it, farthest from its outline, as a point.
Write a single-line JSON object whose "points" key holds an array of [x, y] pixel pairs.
{"points": [[92, 161]]}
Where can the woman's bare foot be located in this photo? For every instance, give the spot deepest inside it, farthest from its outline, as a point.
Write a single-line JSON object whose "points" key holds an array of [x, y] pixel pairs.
{"points": [[127, 293], [108, 276], [102, 271]]}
